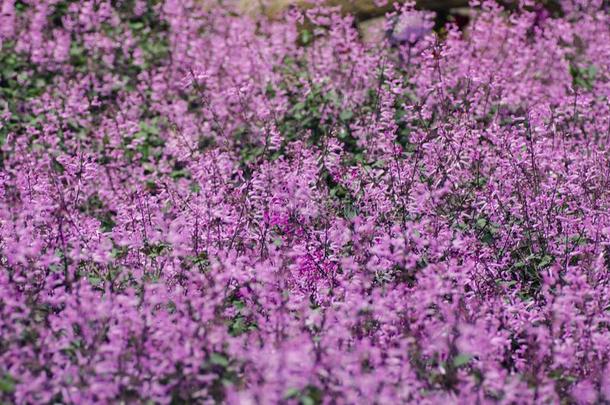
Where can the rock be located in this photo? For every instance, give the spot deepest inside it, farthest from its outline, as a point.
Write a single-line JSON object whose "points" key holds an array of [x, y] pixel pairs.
{"points": [[362, 9], [271, 9], [372, 30]]}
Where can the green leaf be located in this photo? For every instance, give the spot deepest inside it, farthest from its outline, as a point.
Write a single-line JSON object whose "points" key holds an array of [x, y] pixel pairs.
{"points": [[461, 360], [546, 259], [7, 384], [96, 281], [195, 187], [218, 359], [270, 90], [349, 211], [237, 304], [292, 393], [346, 115], [238, 326], [298, 107], [138, 25], [481, 222], [57, 167], [305, 37], [506, 284], [307, 400]]}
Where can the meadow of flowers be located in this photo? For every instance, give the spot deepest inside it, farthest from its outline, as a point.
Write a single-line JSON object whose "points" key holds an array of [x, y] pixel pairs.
{"points": [[203, 207]]}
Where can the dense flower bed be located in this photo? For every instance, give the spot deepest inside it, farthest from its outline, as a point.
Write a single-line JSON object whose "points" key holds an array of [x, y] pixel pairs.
{"points": [[200, 207]]}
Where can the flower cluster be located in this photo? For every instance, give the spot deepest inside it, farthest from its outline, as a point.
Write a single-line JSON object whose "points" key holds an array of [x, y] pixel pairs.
{"points": [[198, 207]]}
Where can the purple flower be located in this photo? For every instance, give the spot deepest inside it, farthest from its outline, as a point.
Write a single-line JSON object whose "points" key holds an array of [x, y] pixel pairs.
{"points": [[409, 28], [195, 208]]}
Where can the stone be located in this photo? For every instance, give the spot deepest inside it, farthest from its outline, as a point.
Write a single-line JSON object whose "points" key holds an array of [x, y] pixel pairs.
{"points": [[372, 30], [361, 9]]}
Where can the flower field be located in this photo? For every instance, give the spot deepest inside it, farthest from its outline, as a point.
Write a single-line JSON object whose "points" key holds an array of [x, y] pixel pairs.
{"points": [[198, 206]]}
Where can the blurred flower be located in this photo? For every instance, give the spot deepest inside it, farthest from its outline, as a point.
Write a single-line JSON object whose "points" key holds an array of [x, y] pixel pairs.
{"points": [[409, 28]]}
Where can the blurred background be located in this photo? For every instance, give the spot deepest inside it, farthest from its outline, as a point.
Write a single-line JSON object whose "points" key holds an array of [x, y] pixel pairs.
{"points": [[369, 14]]}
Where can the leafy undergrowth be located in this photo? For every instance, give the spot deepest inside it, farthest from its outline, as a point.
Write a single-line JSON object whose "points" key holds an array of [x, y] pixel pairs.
{"points": [[198, 207]]}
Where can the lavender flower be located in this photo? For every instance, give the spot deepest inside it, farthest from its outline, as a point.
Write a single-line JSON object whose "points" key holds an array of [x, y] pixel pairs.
{"points": [[409, 28], [194, 208]]}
